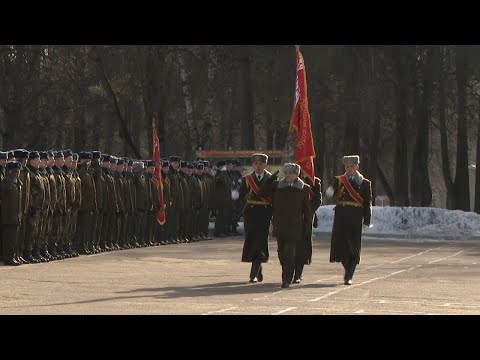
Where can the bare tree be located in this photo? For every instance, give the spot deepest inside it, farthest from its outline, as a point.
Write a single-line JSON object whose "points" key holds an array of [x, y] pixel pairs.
{"points": [[462, 188], [400, 170], [420, 181]]}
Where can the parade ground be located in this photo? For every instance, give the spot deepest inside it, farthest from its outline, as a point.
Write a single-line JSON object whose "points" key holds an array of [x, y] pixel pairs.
{"points": [[395, 277]]}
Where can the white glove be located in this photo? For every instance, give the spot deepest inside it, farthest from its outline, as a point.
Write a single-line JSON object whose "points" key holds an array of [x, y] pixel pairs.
{"points": [[329, 193]]}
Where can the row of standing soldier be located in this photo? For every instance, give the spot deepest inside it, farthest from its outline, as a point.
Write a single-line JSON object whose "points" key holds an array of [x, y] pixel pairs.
{"points": [[55, 208]]}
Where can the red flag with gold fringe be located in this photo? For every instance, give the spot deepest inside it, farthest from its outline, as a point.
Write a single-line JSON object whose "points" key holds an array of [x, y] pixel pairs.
{"points": [[158, 172], [304, 149]]}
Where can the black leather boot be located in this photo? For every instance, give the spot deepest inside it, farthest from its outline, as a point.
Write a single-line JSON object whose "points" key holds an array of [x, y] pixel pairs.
{"points": [[345, 274], [350, 270], [255, 270]]}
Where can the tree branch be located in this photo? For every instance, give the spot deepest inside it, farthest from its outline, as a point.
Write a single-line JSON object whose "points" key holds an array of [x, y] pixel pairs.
{"points": [[108, 87]]}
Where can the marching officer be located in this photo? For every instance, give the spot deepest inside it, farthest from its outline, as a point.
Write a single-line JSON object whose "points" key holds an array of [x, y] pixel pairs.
{"points": [[257, 215], [292, 218], [353, 208]]}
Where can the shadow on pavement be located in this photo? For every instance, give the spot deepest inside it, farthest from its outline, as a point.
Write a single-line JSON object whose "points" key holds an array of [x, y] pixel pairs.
{"points": [[222, 288]]}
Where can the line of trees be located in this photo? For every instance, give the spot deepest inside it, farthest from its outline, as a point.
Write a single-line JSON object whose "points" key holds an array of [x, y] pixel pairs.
{"points": [[410, 111]]}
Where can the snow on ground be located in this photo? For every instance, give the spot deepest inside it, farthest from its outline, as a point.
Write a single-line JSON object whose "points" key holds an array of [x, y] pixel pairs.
{"points": [[408, 223], [412, 222]]}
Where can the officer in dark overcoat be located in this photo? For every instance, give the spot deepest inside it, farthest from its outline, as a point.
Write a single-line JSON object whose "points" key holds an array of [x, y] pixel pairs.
{"points": [[353, 195]]}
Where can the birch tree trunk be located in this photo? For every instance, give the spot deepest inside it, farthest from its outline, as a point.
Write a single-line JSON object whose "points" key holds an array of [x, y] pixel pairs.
{"points": [[192, 133], [442, 108], [400, 171], [208, 110]]}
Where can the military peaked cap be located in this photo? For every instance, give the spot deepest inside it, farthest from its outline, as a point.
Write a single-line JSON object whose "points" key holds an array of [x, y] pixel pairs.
{"points": [[20, 154], [67, 153], [33, 155], [85, 155], [13, 165], [259, 157]]}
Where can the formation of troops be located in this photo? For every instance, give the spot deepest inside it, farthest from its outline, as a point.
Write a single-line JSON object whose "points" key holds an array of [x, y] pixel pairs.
{"points": [[59, 204]]}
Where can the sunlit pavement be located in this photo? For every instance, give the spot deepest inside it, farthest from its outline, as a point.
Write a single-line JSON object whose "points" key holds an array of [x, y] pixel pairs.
{"points": [[394, 277]]}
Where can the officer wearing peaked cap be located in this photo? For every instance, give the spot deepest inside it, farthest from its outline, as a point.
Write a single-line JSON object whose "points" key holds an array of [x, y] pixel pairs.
{"points": [[70, 194], [11, 217], [209, 197], [196, 197], [129, 205], [257, 215], [88, 206], [117, 237], [109, 204], [186, 206], [3, 163], [152, 190], [58, 222], [36, 202], [49, 233], [97, 218], [41, 250], [176, 199], [22, 155], [223, 200], [74, 191], [163, 229], [237, 203]]}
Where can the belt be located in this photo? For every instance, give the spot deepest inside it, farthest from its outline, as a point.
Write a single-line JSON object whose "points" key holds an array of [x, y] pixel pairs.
{"points": [[349, 203], [253, 202]]}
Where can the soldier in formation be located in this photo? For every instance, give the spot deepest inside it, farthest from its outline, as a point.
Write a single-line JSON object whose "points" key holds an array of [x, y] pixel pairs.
{"points": [[59, 204]]}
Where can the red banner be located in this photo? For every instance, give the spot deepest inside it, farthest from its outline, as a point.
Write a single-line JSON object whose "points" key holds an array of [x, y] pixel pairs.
{"points": [[304, 150], [158, 172]]}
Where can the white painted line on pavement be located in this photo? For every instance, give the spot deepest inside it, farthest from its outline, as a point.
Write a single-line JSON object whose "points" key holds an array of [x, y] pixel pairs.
{"points": [[411, 256], [284, 310], [268, 295], [327, 278], [446, 257], [360, 270], [220, 311], [327, 295]]}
